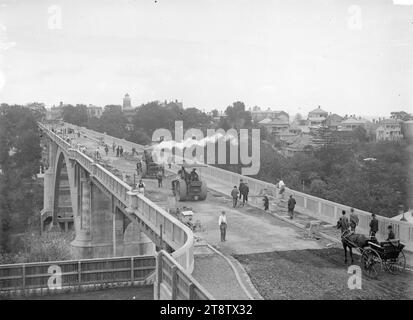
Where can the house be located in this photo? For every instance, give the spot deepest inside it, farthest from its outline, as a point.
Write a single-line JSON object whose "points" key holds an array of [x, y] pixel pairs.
{"points": [[333, 121], [258, 115], [275, 126], [298, 144], [299, 126], [407, 130], [317, 117], [389, 130], [352, 123]]}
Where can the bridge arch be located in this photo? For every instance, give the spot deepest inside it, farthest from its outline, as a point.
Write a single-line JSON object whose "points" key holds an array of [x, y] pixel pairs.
{"points": [[64, 204]]}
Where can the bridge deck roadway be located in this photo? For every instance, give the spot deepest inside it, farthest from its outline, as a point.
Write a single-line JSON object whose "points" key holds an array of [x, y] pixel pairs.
{"points": [[277, 255]]}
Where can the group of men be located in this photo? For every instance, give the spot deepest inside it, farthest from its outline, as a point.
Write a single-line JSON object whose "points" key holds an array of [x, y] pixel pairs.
{"points": [[119, 151], [188, 177], [351, 223], [241, 192]]}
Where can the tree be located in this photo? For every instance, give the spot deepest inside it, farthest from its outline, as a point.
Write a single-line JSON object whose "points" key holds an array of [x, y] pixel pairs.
{"points": [[75, 115], [401, 115], [113, 122], [19, 162], [237, 116]]}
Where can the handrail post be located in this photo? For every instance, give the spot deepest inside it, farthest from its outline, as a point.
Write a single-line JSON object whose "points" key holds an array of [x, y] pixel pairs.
{"points": [[79, 273], [24, 277], [191, 291], [160, 241], [159, 264], [174, 282], [132, 273]]}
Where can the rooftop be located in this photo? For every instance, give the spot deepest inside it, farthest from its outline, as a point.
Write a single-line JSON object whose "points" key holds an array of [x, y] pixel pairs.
{"points": [[354, 121], [274, 122], [319, 111]]}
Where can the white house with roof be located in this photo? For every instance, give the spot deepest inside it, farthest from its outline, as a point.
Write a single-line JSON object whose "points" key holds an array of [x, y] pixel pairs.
{"points": [[389, 130], [258, 115], [275, 126], [317, 117], [352, 123]]}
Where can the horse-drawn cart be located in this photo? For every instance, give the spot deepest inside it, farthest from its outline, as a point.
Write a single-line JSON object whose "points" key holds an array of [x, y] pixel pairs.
{"points": [[376, 256], [387, 256]]}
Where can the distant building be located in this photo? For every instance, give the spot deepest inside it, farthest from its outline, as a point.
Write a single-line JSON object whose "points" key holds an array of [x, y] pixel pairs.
{"points": [[389, 130], [299, 126], [298, 144], [258, 115], [94, 111], [333, 121], [352, 123], [317, 117], [127, 104], [275, 126], [407, 130], [175, 103]]}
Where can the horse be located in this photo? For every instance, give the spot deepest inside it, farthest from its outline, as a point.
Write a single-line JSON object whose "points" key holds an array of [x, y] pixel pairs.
{"points": [[351, 240]]}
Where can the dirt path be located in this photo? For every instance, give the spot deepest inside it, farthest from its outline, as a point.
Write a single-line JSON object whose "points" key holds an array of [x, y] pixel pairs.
{"points": [[317, 274]]}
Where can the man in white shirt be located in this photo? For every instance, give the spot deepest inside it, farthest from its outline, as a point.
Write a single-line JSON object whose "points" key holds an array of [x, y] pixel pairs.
{"points": [[222, 222], [141, 187], [281, 187]]}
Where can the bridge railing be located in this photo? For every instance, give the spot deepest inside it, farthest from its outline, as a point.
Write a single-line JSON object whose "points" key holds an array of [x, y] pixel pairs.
{"points": [[315, 207], [172, 282], [75, 273], [177, 235]]}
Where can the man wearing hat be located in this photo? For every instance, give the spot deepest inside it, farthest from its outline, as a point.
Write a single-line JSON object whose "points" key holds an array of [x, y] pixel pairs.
{"points": [[374, 225]]}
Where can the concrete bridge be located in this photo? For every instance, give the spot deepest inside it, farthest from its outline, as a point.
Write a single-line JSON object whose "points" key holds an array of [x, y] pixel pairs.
{"points": [[108, 216], [110, 219]]}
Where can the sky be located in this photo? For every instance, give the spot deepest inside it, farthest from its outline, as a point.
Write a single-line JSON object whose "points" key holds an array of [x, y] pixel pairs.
{"points": [[349, 57]]}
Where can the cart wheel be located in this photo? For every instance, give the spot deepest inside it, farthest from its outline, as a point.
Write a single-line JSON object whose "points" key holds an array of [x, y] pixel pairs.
{"points": [[398, 265], [371, 263]]}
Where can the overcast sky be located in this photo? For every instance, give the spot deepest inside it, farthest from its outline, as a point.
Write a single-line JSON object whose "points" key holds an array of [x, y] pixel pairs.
{"points": [[287, 55]]}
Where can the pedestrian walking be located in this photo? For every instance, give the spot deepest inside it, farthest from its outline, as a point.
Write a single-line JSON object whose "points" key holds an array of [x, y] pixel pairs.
{"points": [[138, 167], [266, 203], [245, 192], [106, 149], [113, 147], [222, 223], [117, 151], [159, 177], [354, 220], [291, 206], [241, 188], [234, 195], [374, 225], [121, 151], [343, 222]]}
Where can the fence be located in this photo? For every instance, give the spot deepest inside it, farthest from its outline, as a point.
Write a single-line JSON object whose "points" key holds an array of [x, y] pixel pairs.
{"points": [[173, 283], [75, 273]]}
